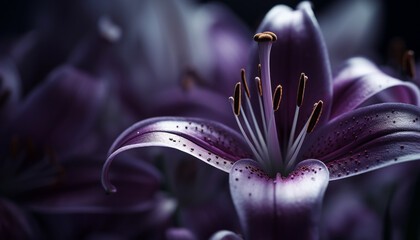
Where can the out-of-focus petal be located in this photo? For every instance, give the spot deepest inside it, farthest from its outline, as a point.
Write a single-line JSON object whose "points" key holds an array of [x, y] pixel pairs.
{"points": [[9, 86], [61, 111], [359, 80], [179, 234], [366, 139], [78, 190], [274, 208], [347, 217], [209, 141], [351, 28], [299, 48], [14, 222], [222, 46], [196, 101]]}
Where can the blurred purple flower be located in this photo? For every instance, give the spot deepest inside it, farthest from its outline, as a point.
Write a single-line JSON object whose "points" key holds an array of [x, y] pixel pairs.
{"points": [[278, 176], [147, 73]]}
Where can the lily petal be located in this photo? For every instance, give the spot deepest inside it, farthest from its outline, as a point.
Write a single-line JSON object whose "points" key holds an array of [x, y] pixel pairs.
{"points": [[274, 208], [60, 111], [209, 141], [299, 48], [366, 139], [359, 80]]}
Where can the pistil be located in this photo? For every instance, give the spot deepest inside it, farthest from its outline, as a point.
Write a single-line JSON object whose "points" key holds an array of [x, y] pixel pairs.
{"points": [[265, 41], [264, 143]]}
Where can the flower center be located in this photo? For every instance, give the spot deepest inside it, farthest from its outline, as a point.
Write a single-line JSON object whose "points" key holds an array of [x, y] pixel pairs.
{"points": [[263, 141]]}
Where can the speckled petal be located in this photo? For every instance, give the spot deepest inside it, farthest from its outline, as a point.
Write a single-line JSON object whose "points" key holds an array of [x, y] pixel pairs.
{"points": [[278, 208], [209, 141], [366, 139], [299, 48], [359, 80]]}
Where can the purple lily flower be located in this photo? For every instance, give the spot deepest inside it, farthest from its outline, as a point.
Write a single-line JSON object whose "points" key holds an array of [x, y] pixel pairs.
{"points": [[279, 165]]}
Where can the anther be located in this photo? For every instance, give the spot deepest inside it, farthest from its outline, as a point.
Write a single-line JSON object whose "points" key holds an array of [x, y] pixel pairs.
{"points": [[277, 97], [316, 114], [258, 81], [245, 83], [301, 89], [237, 99], [408, 63], [259, 70]]}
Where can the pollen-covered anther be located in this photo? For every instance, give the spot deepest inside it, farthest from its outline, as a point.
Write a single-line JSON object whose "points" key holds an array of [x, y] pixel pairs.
{"points": [[265, 37], [277, 97], [316, 114], [301, 89], [237, 99], [243, 78], [408, 63]]}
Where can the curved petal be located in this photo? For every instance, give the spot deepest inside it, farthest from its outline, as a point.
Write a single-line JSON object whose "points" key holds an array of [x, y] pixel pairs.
{"points": [[60, 111], [366, 139], [209, 141], [225, 235], [78, 191], [359, 80], [299, 48], [274, 208]]}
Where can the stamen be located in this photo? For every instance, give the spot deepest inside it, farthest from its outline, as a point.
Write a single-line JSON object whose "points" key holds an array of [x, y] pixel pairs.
{"points": [[316, 114], [258, 145], [301, 89], [258, 82], [408, 64], [299, 101], [237, 99], [254, 151], [309, 125], [259, 70], [245, 83], [277, 97]]}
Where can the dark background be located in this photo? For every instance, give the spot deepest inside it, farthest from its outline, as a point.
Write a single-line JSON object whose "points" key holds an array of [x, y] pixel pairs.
{"points": [[400, 18]]}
